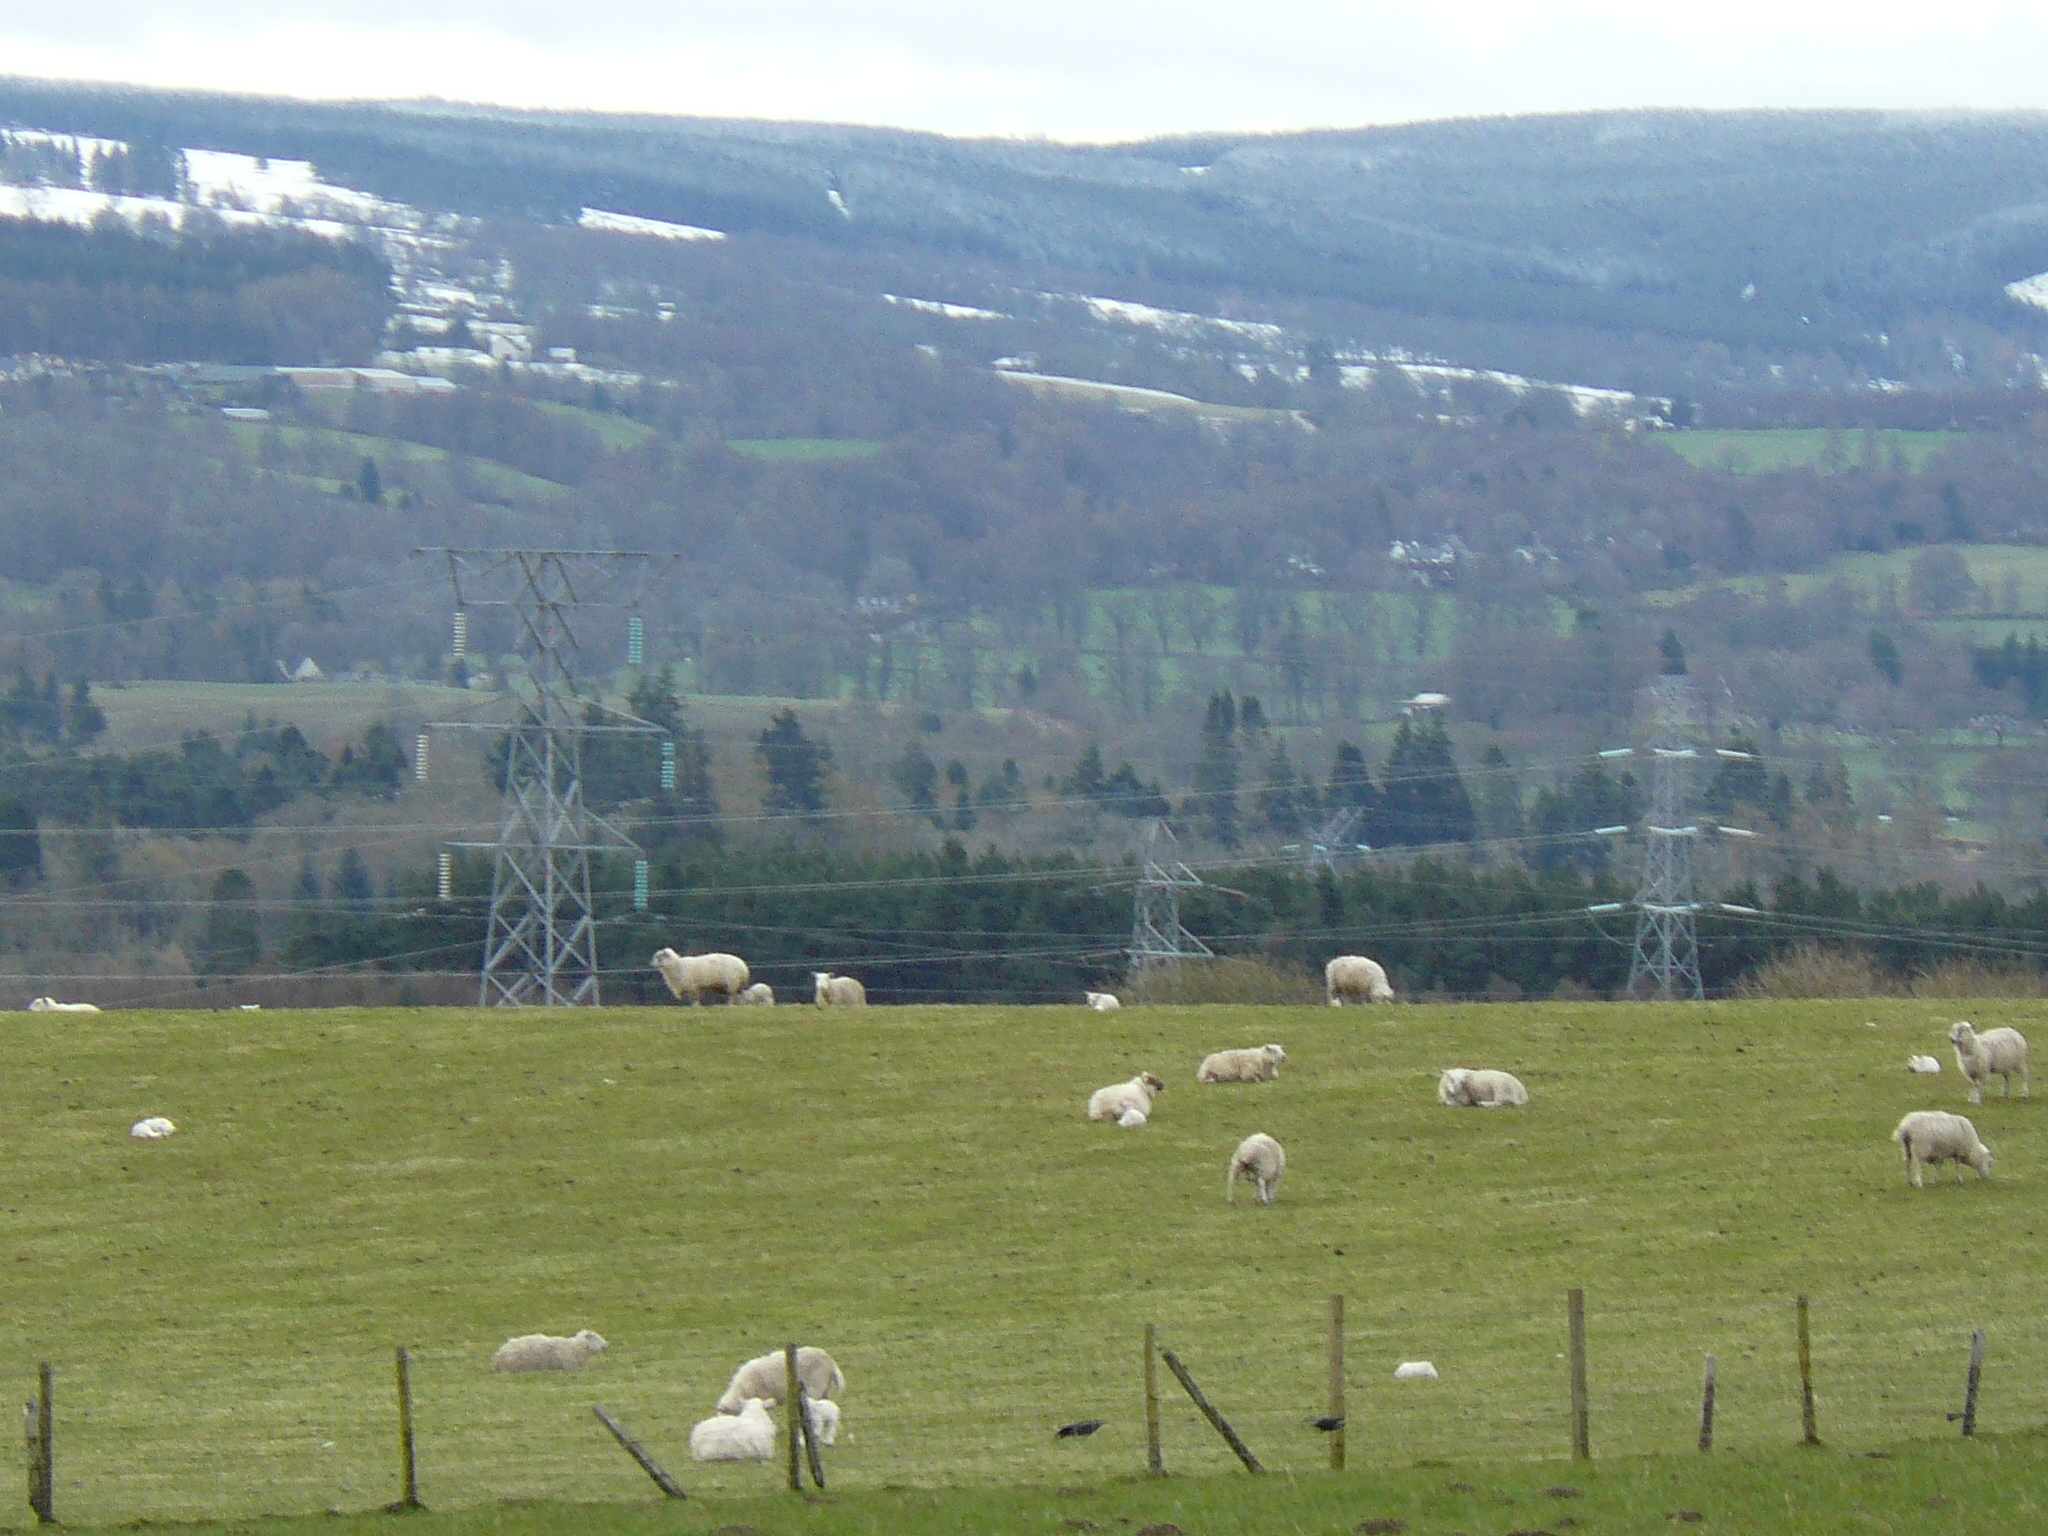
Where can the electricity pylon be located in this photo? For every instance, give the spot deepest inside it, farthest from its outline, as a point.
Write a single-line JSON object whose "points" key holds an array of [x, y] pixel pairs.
{"points": [[541, 943], [1667, 949], [1157, 936]]}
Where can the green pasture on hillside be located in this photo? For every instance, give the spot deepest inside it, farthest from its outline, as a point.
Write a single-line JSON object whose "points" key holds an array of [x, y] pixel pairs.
{"points": [[352, 447], [803, 450], [2001, 571], [1771, 449], [917, 1190]]}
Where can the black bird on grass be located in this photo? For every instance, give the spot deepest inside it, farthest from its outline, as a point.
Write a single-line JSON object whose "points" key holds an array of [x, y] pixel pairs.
{"points": [[1329, 1425], [1080, 1430]]}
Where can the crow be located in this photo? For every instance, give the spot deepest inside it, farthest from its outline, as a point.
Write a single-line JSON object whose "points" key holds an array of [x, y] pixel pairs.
{"points": [[1328, 1425], [1080, 1430]]}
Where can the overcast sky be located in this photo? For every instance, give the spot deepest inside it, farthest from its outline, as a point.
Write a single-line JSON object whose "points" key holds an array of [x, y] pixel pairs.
{"points": [[1070, 69]]}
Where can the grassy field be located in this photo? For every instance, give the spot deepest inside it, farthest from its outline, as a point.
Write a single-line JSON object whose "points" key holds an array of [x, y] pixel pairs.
{"points": [[1772, 449], [160, 714], [917, 1190]]}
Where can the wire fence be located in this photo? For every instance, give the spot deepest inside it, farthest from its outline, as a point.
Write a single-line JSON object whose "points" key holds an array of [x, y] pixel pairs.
{"points": [[319, 1432]]}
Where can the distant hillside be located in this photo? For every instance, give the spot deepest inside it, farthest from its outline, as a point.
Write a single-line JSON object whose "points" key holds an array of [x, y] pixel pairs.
{"points": [[1794, 232]]}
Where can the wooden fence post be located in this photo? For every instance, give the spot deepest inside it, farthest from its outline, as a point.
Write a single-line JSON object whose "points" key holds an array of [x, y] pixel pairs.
{"points": [[1806, 1412], [791, 1387], [803, 1400], [634, 1449], [1970, 1391], [40, 1421], [1707, 1407], [1216, 1420], [408, 1465], [1155, 1464], [1582, 1442], [1337, 1382]]}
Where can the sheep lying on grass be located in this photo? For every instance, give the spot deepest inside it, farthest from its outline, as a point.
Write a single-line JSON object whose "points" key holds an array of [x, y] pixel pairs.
{"points": [[692, 976], [1466, 1087], [1102, 1002], [1259, 1158], [1925, 1066], [51, 1005], [748, 1435], [1132, 1118], [1355, 979], [759, 995], [1111, 1103], [1257, 1064], [823, 1419], [155, 1128], [767, 1377], [542, 1352], [1996, 1051], [838, 991], [1935, 1136]]}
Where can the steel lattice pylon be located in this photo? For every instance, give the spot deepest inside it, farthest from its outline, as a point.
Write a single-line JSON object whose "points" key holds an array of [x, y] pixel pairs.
{"points": [[1667, 951], [541, 944], [1157, 936]]}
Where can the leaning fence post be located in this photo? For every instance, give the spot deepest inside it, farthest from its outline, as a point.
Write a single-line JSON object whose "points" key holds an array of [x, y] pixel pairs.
{"points": [[1970, 1391], [796, 1418], [1155, 1464], [638, 1452], [1707, 1407], [1337, 1382], [1582, 1443], [1216, 1420], [39, 1421], [408, 1466], [803, 1401], [1806, 1412]]}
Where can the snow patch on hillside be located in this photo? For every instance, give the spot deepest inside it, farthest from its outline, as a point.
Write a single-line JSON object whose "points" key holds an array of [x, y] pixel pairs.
{"points": [[2030, 290], [949, 311], [632, 224], [1176, 322]]}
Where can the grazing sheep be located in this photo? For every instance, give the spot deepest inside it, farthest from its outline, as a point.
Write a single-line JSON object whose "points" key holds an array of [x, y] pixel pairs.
{"points": [[1415, 1370], [540, 1352], [155, 1128], [1926, 1066], [1935, 1136], [692, 976], [1111, 1102], [767, 1376], [51, 1005], [1257, 1064], [759, 995], [1259, 1158], [838, 991], [2003, 1051], [1102, 1002], [748, 1435], [823, 1419], [1132, 1118], [1355, 979], [1467, 1087]]}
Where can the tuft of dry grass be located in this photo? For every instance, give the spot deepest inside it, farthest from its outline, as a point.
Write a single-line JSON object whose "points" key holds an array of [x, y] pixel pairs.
{"points": [[1974, 977], [1811, 971], [1240, 979]]}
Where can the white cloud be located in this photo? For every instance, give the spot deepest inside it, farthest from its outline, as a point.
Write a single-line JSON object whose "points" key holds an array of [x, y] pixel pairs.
{"points": [[1064, 68]]}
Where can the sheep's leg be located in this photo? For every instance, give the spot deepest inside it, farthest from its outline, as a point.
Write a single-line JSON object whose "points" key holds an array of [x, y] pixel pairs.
{"points": [[1913, 1169]]}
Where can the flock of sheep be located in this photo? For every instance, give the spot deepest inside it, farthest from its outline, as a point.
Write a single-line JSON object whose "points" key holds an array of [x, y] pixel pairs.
{"points": [[694, 976], [740, 1429], [1936, 1136]]}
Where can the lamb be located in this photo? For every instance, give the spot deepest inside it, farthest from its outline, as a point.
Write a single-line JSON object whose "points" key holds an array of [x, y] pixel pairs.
{"points": [[748, 1435], [2003, 1051], [1259, 1158], [767, 1377], [692, 976], [1259, 1064], [1132, 1118], [838, 991], [155, 1128], [51, 1005], [1355, 979], [759, 995], [823, 1421], [1102, 1002], [540, 1352], [1935, 1136], [1925, 1066], [1465, 1087], [1111, 1103]]}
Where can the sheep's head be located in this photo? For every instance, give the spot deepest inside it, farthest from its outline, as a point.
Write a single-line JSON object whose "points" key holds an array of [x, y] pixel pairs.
{"points": [[1276, 1053], [594, 1342], [1961, 1032], [1151, 1083], [664, 956], [1980, 1160], [755, 1408]]}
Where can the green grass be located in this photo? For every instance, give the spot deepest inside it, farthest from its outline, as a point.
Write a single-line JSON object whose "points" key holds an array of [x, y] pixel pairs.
{"points": [[1769, 450], [803, 450], [248, 435], [614, 431], [916, 1189], [2001, 571], [160, 714]]}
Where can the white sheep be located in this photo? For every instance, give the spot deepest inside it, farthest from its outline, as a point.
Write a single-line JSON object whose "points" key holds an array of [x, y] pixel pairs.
{"points": [[2000, 1051], [1355, 979], [541, 1352], [1467, 1087], [1254, 1064], [1935, 1136], [831, 991], [155, 1128], [1111, 1102], [822, 1419], [1259, 1158], [692, 976], [51, 1005], [748, 1435], [759, 995], [1132, 1118], [767, 1377], [1925, 1066], [1415, 1370], [1102, 1002]]}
